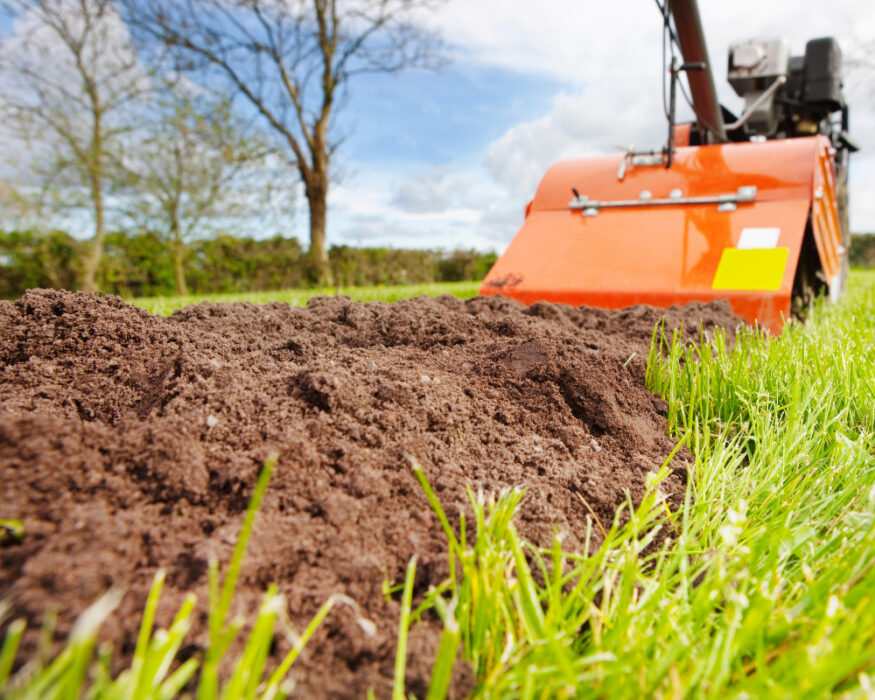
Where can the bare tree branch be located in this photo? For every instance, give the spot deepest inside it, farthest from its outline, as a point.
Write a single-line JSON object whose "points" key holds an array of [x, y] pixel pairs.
{"points": [[291, 60], [70, 75], [197, 163]]}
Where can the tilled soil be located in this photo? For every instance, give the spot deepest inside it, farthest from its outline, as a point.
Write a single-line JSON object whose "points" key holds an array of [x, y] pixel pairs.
{"points": [[130, 442]]}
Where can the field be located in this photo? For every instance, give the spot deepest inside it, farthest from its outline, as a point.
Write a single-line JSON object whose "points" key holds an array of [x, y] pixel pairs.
{"points": [[592, 556], [299, 297]]}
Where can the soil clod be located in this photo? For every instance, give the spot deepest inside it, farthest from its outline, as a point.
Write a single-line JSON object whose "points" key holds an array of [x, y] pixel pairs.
{"points": [[130, 442]]}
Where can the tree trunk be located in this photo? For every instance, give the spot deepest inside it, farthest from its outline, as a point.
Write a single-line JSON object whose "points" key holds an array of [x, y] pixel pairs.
{"points": [[94, 252], [177, 251], [95, 174], [179, 269], [317, 200]]}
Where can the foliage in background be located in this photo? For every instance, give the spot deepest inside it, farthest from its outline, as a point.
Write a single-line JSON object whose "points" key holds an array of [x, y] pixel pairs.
{"points": [[230, 264], [862, 253], [142, 265], [356, 267], [141, 262], [30, 259]]}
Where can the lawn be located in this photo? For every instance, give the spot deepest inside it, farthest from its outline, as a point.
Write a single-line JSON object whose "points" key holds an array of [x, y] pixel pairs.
{"points": [[761, 585], [765, 586], [298, 297]]}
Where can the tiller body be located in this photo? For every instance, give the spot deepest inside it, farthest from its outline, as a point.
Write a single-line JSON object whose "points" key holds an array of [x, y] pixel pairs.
{"points": [[750, 209], [726, 221]]}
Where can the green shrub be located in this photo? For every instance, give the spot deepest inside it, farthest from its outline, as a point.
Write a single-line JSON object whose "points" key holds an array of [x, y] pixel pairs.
{"points": [[33, 258], [862, 252], [141, 265]]}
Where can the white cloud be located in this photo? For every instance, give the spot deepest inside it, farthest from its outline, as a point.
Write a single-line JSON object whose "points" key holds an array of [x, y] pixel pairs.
{"points": [[573, 41], [609, 57], [595, 120], [862, 186], [391, 209], [437, 190], [565, 40]]}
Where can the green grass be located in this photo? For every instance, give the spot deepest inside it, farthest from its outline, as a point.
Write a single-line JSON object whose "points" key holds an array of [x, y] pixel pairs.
{"points": [[765, 583], [761, 585], [299, 297]]}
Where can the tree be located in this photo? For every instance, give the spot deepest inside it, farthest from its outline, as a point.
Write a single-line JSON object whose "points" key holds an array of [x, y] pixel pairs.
{"points": [[68, 81], [14, 207], [195, 167], [291, 60]]}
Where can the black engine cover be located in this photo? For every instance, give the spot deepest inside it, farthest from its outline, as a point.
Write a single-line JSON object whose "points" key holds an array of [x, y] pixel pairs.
{"points": [[823, 74]]}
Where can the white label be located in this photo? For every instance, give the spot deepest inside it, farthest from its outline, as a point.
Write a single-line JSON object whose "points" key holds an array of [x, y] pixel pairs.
{"points": [[759, 238]]}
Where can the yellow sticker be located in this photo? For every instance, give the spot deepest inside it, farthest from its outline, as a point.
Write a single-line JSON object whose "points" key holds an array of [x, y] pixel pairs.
{"points": [[757, 269]]}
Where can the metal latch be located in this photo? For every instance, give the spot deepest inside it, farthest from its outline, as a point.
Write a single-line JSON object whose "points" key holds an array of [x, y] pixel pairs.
{"points": [[724, 202], [633, 158]]}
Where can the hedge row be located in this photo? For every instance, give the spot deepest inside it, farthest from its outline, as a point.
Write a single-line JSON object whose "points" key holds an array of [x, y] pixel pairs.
{"points": [[140, 265], [863, 250]]}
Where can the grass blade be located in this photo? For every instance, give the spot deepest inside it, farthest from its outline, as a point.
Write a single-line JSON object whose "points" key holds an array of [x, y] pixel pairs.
{"points": [[403, 628]]}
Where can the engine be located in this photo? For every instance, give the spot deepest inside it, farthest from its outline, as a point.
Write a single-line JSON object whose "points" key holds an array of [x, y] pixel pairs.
{"points": [[787, 96]]}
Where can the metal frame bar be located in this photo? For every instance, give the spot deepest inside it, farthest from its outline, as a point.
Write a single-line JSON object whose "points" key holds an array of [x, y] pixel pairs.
{"points": [[725, 202]]}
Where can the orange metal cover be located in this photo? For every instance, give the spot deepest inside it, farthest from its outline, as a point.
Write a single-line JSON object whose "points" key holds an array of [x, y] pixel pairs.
{"points": [[677, 253]]}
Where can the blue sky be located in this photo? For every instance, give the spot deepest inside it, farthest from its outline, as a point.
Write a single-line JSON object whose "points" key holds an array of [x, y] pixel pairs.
{"points": [[435, 117]]}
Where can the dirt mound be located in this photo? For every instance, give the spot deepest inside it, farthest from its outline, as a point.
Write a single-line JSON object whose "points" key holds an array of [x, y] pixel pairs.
{"points": [[130, 442]]}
